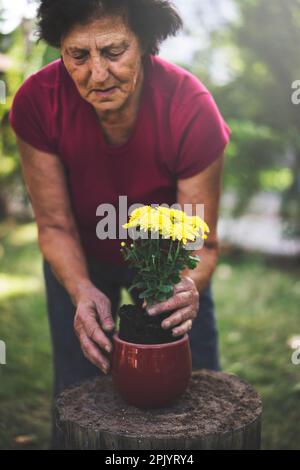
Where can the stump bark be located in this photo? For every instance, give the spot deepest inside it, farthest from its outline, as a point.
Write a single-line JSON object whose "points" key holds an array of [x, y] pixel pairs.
{"points": [[217, 411]]}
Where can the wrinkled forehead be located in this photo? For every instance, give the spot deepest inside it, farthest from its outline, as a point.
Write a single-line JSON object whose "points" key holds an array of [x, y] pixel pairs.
{"points": [[102, 32]]}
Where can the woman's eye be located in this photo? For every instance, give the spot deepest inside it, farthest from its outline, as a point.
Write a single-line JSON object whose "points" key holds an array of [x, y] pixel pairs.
{"points": [[114, 54], [79, 57], [111, 55]]}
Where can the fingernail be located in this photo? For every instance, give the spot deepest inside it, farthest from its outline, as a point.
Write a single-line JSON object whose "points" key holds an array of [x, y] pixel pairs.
{"points": [[107, 348], [167, 324]]}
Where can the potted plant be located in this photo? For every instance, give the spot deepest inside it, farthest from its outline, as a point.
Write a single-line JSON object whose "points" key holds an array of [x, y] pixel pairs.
{"points": [[150, 367]]}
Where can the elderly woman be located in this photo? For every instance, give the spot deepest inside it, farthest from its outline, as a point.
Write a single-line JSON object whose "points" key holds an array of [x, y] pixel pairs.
{"points": [[111, 118]]}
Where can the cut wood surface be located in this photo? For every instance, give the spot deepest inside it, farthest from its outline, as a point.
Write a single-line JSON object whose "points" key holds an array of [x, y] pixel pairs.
{"points": [[218, 411]]}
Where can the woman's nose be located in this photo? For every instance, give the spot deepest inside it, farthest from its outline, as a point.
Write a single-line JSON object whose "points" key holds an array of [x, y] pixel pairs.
{"points": [[99, 70]]}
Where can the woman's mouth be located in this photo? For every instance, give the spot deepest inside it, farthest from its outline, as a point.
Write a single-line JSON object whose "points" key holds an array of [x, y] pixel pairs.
{"points": [[106, 92]]}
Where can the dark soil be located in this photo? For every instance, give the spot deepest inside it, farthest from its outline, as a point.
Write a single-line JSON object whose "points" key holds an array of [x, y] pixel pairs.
{"points": [[138, 327], [214, 402]]}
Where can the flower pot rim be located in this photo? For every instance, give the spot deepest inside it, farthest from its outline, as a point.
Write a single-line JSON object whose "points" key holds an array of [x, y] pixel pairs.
{"points": [[152, 346]]}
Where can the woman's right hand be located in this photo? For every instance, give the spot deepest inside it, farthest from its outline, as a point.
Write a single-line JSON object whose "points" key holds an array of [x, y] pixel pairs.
{"points": [[93, 318]]}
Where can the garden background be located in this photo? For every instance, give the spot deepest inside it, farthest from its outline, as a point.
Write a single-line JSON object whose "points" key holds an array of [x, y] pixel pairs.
{"points": [[247, 53]]}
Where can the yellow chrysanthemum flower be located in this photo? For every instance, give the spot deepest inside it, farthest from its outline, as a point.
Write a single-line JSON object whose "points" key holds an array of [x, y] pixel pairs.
{"points": [[170, 223], [136, 215], [140, 211], [184, 232]]}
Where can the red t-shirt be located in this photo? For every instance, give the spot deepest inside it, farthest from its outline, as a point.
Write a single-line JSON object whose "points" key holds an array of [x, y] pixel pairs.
{"points": [[178, 133]]}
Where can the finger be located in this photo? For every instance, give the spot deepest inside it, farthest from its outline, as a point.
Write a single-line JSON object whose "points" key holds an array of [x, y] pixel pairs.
{"points": [[93, 331], [183, 328], [177, 318], [92, 353], [180, 300], [186, 283], [105, 316]]}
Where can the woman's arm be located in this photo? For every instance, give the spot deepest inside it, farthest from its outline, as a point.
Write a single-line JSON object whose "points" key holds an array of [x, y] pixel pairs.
{"points": [[203, 188], [60, 245], [57, 232]]}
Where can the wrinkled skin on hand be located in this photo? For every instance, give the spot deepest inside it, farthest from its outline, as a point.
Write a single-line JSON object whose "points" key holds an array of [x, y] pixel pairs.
{"points": [[184, 304], [92, 319]]}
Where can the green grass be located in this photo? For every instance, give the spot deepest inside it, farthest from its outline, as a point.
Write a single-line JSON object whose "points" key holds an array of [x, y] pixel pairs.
{"points": [[258, 312], [257, 307], [26, 379]]}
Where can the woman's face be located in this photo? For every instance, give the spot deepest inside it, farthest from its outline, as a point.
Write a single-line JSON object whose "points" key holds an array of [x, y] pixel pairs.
{"points": [[104, 59]]}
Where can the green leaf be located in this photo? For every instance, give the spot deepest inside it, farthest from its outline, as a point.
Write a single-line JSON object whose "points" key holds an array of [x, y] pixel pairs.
{"points": [[176, 279], [161, 297], [192, 264], [139, 284], [166, 289]]}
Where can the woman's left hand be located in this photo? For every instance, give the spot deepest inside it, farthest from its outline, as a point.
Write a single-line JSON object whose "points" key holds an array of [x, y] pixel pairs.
{"points": [[185, 303]]}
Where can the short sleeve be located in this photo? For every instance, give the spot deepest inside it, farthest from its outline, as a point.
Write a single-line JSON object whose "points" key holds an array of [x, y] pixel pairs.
{"points": [[30, 116], [202, 135]]}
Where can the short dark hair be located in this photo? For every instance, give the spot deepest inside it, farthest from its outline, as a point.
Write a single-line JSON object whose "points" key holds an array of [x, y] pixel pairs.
{"points": [[152, 21]]}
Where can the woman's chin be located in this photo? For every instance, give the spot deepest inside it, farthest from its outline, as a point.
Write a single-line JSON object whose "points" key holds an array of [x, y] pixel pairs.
{"points": [[107, 104]]}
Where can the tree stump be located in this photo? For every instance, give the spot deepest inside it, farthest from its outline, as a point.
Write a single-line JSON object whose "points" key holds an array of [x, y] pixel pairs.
{"points": [[217, 411]]}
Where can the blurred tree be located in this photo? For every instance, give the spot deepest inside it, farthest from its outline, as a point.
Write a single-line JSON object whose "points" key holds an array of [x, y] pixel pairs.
{"points": [[268, 39], [264, 49], [50, 54], [4, 44], [25, 59]]}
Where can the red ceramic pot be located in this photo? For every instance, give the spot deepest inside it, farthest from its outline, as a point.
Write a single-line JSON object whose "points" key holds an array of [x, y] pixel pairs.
{"points": [[151, 375]]}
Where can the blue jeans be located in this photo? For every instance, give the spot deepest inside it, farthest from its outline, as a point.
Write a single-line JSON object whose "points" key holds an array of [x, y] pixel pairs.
{"points": [[70, 365]]}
